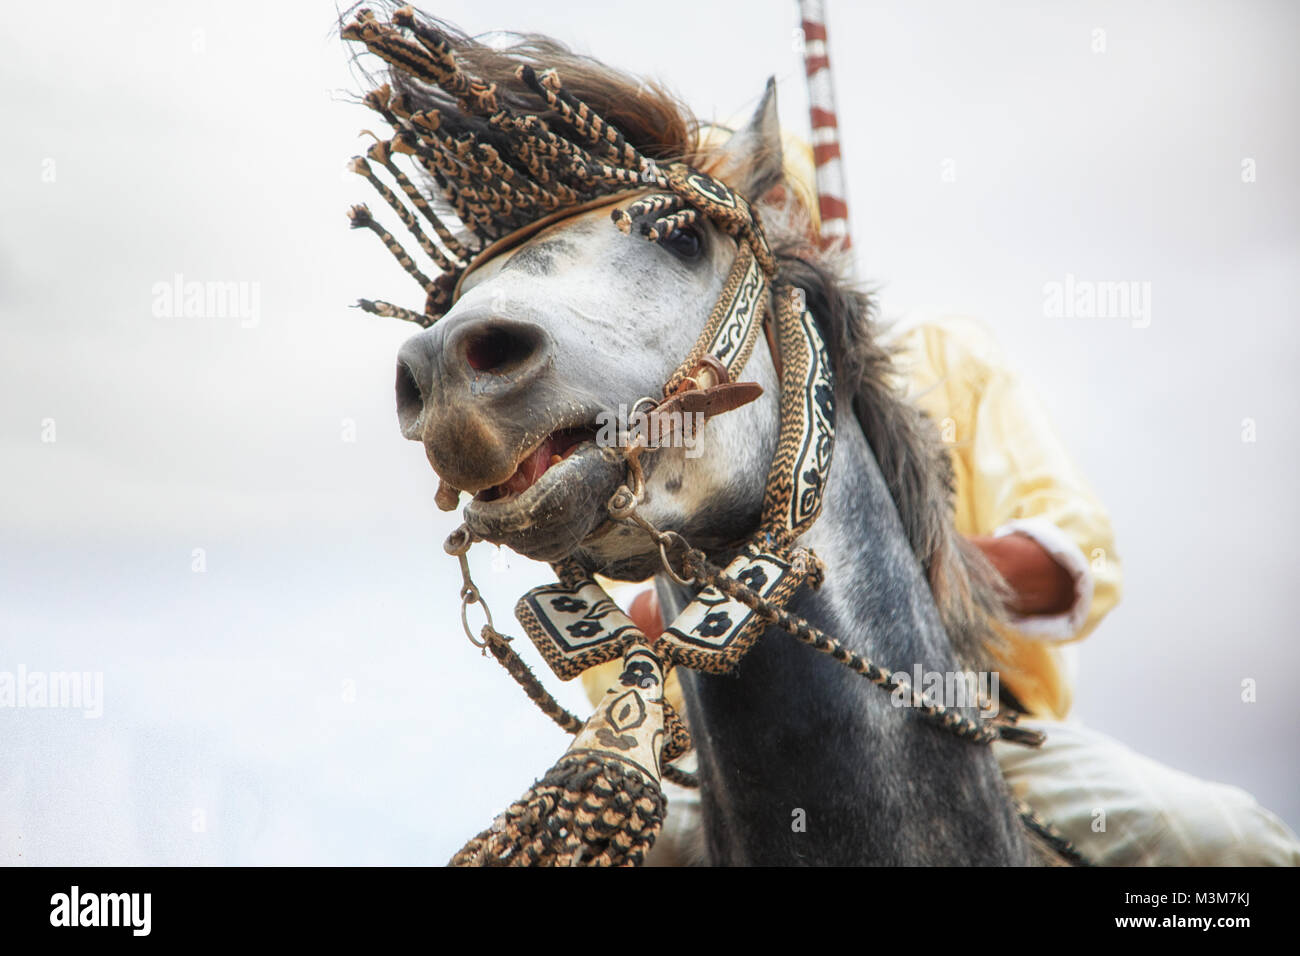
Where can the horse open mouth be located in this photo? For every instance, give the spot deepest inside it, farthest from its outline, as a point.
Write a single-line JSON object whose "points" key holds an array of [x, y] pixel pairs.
{"points": [[555, 499], [555, 448]]}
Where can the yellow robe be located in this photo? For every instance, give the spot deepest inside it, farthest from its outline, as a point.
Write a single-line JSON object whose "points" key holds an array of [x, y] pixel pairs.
{"points": [[1013, 473]]}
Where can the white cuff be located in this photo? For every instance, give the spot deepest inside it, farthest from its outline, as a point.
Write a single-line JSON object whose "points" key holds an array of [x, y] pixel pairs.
{"points": [[1055, 627]]}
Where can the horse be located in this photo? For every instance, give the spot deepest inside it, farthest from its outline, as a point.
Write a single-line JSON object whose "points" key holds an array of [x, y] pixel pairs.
{"points": [[505, 392]]}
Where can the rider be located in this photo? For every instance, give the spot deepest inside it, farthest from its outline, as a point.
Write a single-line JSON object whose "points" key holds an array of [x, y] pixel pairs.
{"points": [[1021, 500]]}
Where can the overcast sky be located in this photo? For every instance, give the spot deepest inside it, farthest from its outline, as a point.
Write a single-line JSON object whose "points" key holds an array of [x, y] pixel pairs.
{"points": [[308, 696]]}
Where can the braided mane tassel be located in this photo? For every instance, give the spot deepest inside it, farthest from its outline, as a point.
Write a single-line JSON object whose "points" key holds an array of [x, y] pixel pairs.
{"points": [[601, 803]]}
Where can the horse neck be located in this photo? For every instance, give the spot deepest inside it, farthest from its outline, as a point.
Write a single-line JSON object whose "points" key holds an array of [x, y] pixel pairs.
{"points": [[793, 735]]}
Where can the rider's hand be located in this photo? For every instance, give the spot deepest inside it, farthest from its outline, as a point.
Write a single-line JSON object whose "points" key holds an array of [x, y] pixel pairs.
{"points": [[1040, 585]]}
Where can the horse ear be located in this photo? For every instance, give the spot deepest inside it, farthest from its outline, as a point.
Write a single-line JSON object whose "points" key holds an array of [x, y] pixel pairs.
{"points": [[751, 160]]}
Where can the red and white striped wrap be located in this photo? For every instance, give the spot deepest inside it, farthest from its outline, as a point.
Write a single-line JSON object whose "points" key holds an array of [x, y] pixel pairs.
{"points": [[832, 195]]}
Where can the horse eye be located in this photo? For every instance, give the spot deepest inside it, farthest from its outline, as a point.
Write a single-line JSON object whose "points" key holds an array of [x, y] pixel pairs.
{"points": [[685, 243]]}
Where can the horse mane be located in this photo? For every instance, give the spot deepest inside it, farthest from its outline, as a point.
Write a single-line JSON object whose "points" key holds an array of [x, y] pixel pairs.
{"points": [[914, 461], [969, 593]]}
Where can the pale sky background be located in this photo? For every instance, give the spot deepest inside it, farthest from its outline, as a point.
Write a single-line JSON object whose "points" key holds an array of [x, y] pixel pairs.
{"points": [[208, 140]]}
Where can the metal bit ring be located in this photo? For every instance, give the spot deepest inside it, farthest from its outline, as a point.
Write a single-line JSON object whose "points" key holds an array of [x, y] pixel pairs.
{"points": [[469, 595]]}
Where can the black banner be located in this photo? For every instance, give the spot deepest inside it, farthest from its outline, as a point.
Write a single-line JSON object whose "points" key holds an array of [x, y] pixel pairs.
{"points": [[924, 907]]}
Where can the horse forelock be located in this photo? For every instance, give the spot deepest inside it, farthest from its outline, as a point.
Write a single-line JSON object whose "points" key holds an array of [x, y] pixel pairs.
{"points": [[653, 120]]}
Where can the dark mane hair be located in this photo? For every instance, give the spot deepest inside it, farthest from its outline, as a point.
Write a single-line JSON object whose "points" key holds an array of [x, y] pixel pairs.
{"points": [[652, 118], [912, 458]]}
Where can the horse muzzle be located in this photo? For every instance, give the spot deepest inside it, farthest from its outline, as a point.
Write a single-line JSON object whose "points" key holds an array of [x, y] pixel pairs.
{"points": [[496, 419], [471, 391]]}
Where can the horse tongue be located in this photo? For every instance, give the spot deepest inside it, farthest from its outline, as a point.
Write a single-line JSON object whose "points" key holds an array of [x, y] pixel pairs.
{"points": [[530, 469]]}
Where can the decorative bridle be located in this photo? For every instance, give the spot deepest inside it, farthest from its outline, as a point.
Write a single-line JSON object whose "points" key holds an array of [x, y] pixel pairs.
{"points": [[505, 174]]}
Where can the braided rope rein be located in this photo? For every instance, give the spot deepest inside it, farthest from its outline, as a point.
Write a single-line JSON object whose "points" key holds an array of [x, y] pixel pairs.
{"points": [[541, 826], [950, 720], [629, 822]]}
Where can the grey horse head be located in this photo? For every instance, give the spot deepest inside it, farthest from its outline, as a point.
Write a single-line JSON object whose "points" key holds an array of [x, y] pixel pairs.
{"points": [[508, 391]]}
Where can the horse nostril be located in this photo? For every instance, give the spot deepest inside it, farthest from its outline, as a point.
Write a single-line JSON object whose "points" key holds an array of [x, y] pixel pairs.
{"points": [[410, 400], [500, 350]]}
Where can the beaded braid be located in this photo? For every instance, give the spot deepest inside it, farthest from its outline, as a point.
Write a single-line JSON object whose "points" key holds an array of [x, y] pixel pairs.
{"points": [[583, 120], [360, 166], [382, 153], [361, 219], [653, 207], [501, 168]]}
